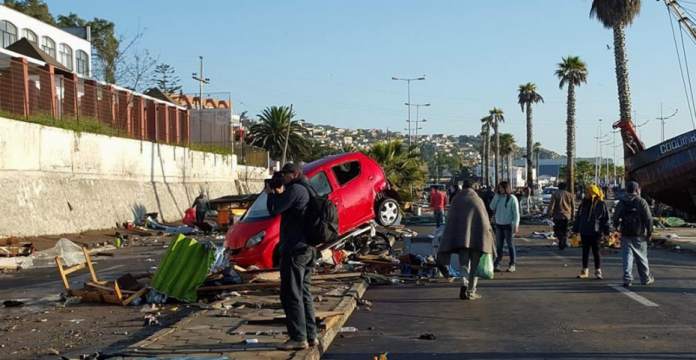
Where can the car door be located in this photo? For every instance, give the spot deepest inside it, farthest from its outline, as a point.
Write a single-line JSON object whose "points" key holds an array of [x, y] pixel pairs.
{"points": [[321, 183], [355, 191]]}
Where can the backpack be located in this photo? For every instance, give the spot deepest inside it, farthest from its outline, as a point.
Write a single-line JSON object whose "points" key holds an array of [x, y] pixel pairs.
{"points": [[321, 219], [630, 219]]}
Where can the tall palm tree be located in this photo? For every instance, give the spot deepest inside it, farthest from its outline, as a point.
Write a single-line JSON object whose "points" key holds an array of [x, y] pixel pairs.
{"points": [[270, 131], [616, 15], [537, 151], [526, 96], [487, 126], [507, 150], [497, 117], [484, 153], [572, 72]]}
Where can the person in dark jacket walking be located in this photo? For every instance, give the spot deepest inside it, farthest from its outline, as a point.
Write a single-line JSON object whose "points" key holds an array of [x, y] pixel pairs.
{"points": [[202, 205], [633, 218], [592, 221], [297, 257], [562, 210]]}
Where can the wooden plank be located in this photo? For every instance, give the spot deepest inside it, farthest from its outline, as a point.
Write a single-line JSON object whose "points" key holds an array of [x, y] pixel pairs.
{"points": [[63, 275], [337, 276], [74, 268], [89, 264], [117, 289], [320, 316], [239, 287], [138, 294], [109, 289]]}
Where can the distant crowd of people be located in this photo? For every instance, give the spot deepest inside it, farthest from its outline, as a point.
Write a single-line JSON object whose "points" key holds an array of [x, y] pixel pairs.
{"points": [[482, 221]]}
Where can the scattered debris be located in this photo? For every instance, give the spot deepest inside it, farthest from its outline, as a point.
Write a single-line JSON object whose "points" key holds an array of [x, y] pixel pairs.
{"points": [[151, 320], [348, 329], [13, 303], [427, 337]]}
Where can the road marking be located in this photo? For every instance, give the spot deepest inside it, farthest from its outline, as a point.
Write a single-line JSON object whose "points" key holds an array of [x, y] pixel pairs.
{"points": [[633, 295]]}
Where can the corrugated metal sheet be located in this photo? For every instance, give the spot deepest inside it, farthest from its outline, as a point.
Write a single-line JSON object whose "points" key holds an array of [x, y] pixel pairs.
{"points": [[183, 269]]}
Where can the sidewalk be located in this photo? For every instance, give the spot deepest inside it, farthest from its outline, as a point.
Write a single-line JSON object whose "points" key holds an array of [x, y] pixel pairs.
{"points": [[224, 328]]}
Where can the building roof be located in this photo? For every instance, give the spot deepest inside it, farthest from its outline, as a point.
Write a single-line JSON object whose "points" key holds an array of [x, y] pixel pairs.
{"points": [[158, 94], [28, 48]]}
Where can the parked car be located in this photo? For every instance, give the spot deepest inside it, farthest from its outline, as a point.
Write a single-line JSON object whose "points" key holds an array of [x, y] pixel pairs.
{"points": [[547, 194], [353, 181]]}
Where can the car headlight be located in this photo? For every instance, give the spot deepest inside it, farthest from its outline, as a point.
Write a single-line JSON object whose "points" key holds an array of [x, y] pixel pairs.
{"points": [[256, 239]]}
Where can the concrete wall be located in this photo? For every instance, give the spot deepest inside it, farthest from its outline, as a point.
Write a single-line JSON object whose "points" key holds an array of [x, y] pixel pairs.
{"points": [[55, 181]]}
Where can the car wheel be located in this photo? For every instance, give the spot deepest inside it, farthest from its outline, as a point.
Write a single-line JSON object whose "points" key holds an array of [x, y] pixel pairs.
{"points": [[388, 212]]}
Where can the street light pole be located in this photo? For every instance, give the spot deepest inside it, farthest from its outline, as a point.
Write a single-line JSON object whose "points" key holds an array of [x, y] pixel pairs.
{"points": [[408, 81], [417, 117], [287, 136], [201, 81]]}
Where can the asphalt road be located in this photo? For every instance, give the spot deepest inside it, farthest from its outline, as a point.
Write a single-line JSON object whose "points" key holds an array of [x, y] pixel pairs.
{"points": [[540, 312]]}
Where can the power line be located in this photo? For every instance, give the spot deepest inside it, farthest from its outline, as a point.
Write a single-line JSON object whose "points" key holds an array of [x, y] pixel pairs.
{"points": [[681, 69], [688, 74]]}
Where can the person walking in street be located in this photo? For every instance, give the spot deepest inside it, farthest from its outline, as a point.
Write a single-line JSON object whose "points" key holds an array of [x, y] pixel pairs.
{"points": [[202, 205], [562, 211], [633, 218], [487, 196], [297, 257], [468, 234], [437, 203], [507, 222], [591, 222]]}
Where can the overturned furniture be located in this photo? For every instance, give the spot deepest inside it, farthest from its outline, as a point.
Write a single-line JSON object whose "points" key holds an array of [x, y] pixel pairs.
{"points": [[96, 290]]}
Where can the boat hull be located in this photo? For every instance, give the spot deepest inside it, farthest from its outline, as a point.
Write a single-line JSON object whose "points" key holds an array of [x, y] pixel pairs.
{"points": [[667, 172]]}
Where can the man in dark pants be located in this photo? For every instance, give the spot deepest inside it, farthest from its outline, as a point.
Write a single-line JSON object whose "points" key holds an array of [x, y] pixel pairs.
{"points": [[202, 205], [297, 257], [562, 210]]}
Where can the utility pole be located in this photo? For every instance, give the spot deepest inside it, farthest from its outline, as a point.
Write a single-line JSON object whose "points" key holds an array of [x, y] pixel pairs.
{"points": [[201, 80], [409, 101], [662, 119]]}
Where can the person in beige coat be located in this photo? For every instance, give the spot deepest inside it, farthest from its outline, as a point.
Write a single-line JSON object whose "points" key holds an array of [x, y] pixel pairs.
{"points": [[467, 233]]}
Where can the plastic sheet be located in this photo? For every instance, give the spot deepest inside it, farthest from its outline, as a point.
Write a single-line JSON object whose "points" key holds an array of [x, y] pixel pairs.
{"points": [[69, 252]]}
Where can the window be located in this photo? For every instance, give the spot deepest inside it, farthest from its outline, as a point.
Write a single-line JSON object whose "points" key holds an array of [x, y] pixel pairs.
{"points": [[346, 172], [31, 36], [258, 210], [66, 56], [48, 46], [320, 184], [8, 33], [82, 63]]}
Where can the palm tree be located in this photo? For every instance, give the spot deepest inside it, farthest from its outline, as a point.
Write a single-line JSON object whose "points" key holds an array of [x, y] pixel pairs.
{"points": [[486, 134], [537, 151], [270, 131], [572, 72], [497, 118], [527, 95], [507, 149], [402, 165], [616, 15]]}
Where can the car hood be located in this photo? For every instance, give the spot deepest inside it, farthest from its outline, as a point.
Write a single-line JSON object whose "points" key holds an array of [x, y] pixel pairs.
{"points": [[239, 233]]}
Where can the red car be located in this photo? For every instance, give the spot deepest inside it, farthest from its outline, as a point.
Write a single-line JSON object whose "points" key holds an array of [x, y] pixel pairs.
{"points": [[354, 182]]}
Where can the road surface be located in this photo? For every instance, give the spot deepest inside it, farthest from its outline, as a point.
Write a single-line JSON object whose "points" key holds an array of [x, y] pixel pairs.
{"points": [[540, 312]]}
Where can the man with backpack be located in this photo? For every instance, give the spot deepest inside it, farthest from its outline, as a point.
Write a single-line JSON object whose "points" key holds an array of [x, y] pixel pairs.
{"points": [[297, 256], [633, 218]]}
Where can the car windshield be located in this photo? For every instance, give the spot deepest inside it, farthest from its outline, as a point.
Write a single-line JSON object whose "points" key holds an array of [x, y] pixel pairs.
{"points": [[548, 191], [258, 210]]}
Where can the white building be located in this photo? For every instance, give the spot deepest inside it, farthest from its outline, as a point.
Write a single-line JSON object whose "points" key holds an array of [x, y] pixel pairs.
{"points": [[71, 47]]}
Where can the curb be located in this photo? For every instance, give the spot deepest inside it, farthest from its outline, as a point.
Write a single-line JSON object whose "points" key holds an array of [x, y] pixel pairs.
{"points": [[347, 305]]}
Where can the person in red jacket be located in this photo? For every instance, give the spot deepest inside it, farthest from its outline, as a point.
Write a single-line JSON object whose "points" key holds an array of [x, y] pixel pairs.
{"points": [[437, 203]]}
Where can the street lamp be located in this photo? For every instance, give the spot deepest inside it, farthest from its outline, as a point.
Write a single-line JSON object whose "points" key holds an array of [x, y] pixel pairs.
{"points": [[418, 128], [409, 100]]}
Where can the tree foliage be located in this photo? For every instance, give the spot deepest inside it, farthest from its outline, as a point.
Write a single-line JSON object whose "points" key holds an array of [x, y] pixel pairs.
{"points": [[401, 164], [34, 8], [166, 80], [615, 12], [271, 130]]}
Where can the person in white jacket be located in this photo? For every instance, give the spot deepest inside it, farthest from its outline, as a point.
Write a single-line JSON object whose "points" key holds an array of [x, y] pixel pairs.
{"points": [[507, 220]]}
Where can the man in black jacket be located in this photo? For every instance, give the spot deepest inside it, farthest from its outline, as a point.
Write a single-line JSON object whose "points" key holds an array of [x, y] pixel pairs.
{"points": [[633, 218], [297, 257]]}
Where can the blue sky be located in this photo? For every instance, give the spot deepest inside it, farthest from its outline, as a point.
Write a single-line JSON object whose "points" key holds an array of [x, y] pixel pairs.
{"points": [[334, 60]]}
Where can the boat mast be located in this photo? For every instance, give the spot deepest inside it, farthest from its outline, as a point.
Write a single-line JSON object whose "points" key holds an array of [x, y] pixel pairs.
{"points": [[683, 20]]}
